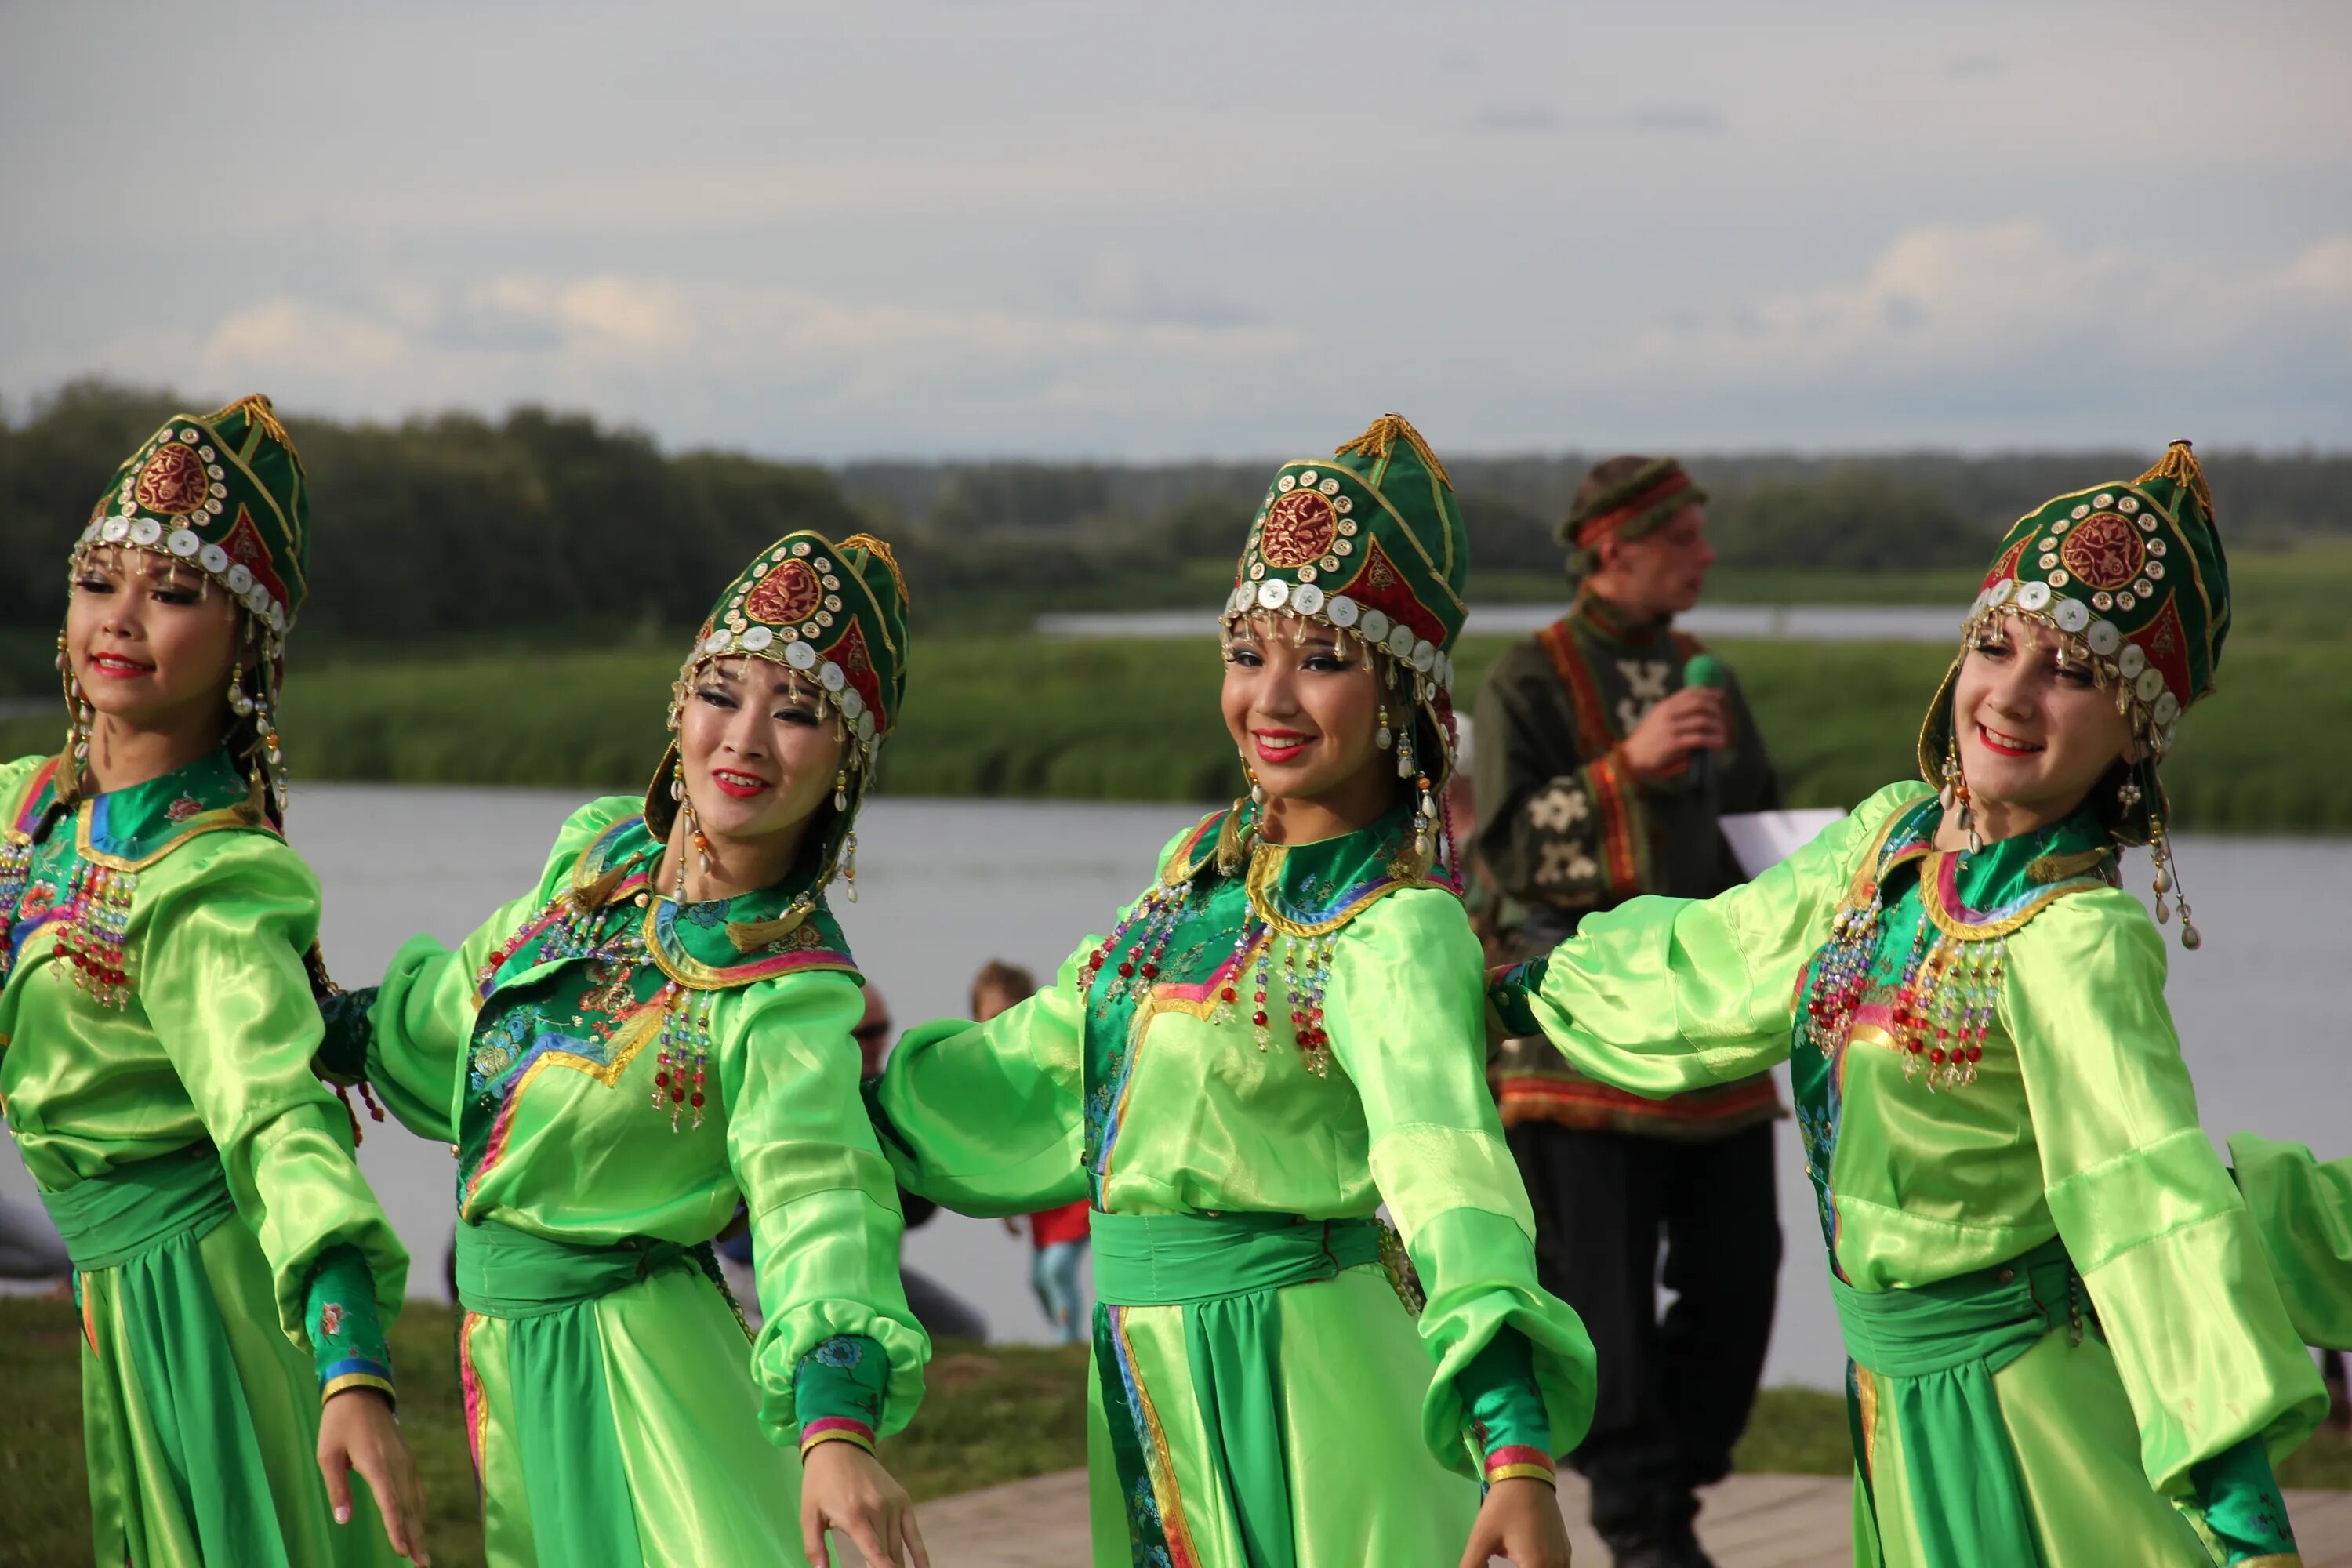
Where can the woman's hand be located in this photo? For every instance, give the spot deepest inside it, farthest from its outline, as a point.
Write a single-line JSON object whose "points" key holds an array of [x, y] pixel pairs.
{"points": [[357, 1431], [1521, 1522], [845, 1487]]}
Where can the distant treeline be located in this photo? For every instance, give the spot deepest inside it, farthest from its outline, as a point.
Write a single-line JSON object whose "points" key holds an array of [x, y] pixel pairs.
{"points": [[461, 525]]}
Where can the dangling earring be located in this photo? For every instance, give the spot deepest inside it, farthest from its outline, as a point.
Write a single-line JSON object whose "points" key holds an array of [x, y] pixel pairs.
{"points": [[841, 789], [1257, 790], [1384, 739], [2168, 882], [1405, 765], [240, 701], [1424, 821], [79, 714], [1956, 793], [849, 864]]}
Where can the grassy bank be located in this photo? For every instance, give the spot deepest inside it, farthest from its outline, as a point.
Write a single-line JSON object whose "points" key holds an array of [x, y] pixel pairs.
{"points": [[1011, 714], [993, 1414]]}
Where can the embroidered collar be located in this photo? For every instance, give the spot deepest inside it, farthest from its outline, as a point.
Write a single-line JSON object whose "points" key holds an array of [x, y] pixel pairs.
{"points": [[700, 945], [1978, 895], [130, 828], [1597, 615], [1306, 890]]}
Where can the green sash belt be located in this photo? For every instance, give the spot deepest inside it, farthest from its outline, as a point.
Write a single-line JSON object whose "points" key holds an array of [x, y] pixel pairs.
{"points": [[503, 1272], [134, 1209], [144, 1223], [546, 1292], [1226, 1272], [1932, 1351]]}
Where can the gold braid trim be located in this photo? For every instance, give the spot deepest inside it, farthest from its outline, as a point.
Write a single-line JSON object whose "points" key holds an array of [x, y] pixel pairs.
{"points": [[1383, 433], [2179, 465], [258, 407], [880, 552]]}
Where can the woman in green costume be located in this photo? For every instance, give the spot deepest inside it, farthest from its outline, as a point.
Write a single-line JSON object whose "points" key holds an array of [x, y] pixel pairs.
{"points": [[657, 1030], [2066, 1344], [1279, 1035], [231, 1270]]}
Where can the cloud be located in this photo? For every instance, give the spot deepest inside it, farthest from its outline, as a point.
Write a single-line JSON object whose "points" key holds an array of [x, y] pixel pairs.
{"points": [[1515, 119], [2323, 272], [2004, 299], [607, 316], [285, 332], [1670, 120], [627, 346]]}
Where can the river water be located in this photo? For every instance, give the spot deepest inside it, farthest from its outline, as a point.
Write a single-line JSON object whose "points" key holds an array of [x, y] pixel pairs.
{"points": [[945, 886]]}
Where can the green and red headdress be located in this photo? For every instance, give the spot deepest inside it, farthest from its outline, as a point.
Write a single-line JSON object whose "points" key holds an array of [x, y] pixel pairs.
{"points": [[835, 614], [2133, 575], [226, 493], [1369, 541]]}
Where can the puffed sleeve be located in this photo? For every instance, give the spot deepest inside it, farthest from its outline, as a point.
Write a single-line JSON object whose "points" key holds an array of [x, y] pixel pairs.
{"points": [[2303, 1208], [824, 1211], [224, 987], [987, 1119], [408, 1035], [1659, 995], [1403, 1012], [2149, 1217]]}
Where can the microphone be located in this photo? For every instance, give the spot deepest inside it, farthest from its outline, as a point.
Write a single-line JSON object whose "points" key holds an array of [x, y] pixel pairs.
{"points": [[1704, 670]]}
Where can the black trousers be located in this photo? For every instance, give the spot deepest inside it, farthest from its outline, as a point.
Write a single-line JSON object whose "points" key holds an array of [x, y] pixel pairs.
{"points": [[1673, 1393]]}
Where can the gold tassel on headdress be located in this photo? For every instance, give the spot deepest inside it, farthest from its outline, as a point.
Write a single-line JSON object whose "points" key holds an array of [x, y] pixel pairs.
{"points": [[880, 552], [1385, 434], [264, 417], [2179, 465]]}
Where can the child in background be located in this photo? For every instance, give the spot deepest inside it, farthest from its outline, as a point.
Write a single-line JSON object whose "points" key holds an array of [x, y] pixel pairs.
{"points": [[1058, 1236]]}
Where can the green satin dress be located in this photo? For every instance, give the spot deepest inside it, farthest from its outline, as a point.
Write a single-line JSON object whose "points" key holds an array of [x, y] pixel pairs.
{"points": [[2302, 1205], [615, 1072], [1261, 1399], [232, 1269], [2066, 1344]]}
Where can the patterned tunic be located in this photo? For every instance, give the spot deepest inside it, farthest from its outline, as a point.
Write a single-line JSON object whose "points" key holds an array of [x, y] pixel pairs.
{"points": [[1566, 829]]}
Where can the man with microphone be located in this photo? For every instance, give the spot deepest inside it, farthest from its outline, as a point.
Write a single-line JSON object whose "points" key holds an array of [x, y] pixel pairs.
{"points": [[1608, 746]]}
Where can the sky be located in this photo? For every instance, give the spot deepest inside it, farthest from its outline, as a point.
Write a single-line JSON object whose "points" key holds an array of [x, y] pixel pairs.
{"points": [[1030, 228]]}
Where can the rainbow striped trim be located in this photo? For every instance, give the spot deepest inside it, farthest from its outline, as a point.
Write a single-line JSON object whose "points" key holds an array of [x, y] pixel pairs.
{"points": [[835, 1429], [477, 1410], [1518, 1461], [355, 1371]]}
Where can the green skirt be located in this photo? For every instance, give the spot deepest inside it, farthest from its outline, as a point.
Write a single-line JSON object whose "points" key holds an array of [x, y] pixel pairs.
{"points": [[1257, 1393], [1991, 1426], [200, 1418], [611, 1411]]}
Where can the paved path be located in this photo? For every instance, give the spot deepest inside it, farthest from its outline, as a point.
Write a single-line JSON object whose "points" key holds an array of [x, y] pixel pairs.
{"points": [[1750, 1521]]}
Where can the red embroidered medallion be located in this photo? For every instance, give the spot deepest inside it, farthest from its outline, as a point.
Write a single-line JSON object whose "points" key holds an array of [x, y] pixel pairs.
{"points": [[186, 807], [790, 593], [330, 1318], [2104, 550], [1299, 528], [173, 481]]}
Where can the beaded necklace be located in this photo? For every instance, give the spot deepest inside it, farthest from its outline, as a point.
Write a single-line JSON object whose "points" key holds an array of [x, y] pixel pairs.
{"points": [[1945, 990]]}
